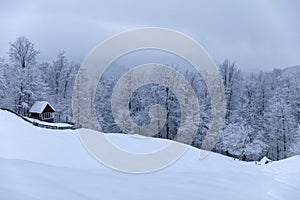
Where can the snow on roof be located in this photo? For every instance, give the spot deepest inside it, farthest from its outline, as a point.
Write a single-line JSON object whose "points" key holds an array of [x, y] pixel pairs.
{"points": [[39, 106]]}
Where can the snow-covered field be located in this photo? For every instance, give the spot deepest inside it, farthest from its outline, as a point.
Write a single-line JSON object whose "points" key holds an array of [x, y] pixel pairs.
{"points": [[37, 163]]}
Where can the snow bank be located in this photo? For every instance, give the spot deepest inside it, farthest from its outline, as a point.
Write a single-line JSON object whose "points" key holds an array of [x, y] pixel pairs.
{"points": [[48, 123]]}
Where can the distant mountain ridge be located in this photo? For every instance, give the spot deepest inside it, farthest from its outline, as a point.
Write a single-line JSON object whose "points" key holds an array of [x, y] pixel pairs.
{"points": [[292, 70]]}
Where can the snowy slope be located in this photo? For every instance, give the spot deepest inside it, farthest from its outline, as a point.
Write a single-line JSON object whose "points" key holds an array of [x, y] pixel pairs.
{"points": [[292, 70], [37, 163]]}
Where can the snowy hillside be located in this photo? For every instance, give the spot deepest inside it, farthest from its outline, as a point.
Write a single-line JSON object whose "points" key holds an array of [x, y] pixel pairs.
{"points": [[37, 163], [292, 70]]}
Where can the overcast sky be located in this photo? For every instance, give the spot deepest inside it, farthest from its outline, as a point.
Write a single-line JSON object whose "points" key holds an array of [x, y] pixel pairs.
{"points": [[259, 34]]}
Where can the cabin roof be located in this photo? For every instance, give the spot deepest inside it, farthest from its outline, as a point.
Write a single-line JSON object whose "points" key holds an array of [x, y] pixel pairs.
{"points": [[39, 107]]}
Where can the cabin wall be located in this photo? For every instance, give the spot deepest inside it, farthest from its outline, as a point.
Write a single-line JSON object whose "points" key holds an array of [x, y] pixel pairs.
{"points": [[48, 109]]}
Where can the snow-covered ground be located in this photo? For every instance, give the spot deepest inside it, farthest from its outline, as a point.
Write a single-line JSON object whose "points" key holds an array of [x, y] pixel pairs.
{"points": [[37, 163], [48, 123]]}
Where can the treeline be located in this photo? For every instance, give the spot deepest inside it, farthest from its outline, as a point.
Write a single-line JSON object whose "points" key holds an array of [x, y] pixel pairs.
{"points": [[263, 109], [262, 116]]}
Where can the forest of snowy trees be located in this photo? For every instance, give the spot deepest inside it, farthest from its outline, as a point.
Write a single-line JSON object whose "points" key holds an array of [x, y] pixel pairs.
{"points": [[263, 108]]}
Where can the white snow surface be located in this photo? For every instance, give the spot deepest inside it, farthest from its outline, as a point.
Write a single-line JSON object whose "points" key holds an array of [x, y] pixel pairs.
{"points": [[48, 123], [37, 163], [39, 106]]}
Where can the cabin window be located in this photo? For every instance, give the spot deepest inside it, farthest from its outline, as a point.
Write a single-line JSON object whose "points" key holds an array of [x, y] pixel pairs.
{"points": [[47, 115]]}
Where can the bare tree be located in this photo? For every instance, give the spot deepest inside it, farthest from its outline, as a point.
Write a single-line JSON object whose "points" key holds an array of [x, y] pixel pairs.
{"points": [[22, 52]]}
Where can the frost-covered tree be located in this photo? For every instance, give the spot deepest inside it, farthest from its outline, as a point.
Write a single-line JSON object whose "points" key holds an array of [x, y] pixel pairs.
{"points": [[22, 52], [3, 82], [232, 82], [62, 74], [234, 140], [23, 55]]}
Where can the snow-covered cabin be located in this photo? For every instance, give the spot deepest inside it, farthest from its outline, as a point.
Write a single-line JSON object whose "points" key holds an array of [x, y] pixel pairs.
{"points": [[42, 110]]}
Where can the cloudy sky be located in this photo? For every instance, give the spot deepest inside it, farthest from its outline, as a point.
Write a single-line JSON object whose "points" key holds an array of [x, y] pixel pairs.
{"points": [[257, 34]]}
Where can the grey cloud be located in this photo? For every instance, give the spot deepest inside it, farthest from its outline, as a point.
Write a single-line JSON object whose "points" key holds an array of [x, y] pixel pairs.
{"points": [[255, 34]]}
